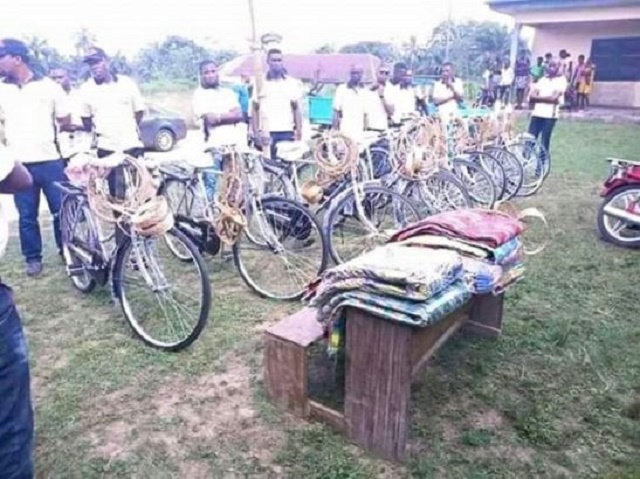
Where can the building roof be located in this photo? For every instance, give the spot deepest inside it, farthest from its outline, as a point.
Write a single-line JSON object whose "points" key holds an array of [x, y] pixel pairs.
{"points": [[517, 6], [323, 68]]}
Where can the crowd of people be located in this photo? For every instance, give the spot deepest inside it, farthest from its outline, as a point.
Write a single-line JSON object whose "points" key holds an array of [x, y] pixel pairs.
{"points": [[46, 120], [501, 80]]}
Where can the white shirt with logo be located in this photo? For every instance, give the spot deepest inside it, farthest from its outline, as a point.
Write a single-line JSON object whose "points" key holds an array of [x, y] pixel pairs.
{"points": [[402, 99], [276, 101], [29, 113], [218, 101], [112, 107], [444, 93], [546, 87], [351, 103]]}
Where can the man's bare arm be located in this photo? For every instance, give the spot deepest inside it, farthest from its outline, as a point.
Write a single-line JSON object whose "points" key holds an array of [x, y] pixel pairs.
{"points": [[19, 179]]}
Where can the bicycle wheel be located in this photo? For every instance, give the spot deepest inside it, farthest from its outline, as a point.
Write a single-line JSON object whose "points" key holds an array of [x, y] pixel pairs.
{"points": [[535, 161], [349, 234], [477, 181], [77, 226], [444, 192], [282, 249], [166, 302], [492, 166], [184, 203], [513, 171]]}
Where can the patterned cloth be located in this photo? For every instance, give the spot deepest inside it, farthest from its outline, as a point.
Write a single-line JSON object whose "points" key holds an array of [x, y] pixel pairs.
{"points": [[462, 247], [480, 276], [412, 313], [327, 289], [419, 270], [488, 227]]}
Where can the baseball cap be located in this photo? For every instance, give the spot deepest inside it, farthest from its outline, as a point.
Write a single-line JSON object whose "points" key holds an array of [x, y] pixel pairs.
{"points": [[94, 54], [15, 48]]}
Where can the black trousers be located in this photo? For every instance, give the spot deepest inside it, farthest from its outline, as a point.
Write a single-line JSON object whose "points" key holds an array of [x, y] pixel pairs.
{"points": [[542, 128]]}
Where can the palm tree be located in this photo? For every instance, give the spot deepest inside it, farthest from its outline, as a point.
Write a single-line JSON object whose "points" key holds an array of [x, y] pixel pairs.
{"points": [[83, 40]]}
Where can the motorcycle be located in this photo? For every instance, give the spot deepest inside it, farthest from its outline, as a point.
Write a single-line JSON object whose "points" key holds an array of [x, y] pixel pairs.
{"points": [[619, 213]]}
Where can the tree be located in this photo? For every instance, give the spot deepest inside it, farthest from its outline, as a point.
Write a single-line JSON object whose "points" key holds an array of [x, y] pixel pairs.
{"points": [[83, 40], [386, 52], [324, 49], [176, 59]]}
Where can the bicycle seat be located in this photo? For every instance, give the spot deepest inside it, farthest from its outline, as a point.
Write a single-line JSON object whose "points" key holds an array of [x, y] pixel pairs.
{"points": [[292, 150]]}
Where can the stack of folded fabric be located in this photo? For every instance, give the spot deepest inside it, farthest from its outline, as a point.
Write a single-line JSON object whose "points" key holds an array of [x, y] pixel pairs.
{"points": [[417, 287], [489, 242]]}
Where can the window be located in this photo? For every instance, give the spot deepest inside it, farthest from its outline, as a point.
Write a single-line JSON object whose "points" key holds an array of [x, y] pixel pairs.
{"points": [[616, 59]]}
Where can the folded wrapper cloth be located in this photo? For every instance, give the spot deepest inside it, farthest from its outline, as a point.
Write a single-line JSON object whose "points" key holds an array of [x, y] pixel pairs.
{"points": [[412, 286], [481, 227]]}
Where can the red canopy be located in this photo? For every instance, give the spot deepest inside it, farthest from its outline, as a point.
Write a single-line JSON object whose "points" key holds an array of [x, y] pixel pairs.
{"points": [[323, 68]]}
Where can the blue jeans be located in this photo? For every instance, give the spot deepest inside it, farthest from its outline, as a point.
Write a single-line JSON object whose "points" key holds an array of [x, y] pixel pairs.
{"points": [[27, 202], [16, 414], [210, 176]]}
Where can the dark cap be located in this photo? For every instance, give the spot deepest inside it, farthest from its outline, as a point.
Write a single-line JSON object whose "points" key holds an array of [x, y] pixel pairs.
{"points": [[94, 54], [15, 48]]}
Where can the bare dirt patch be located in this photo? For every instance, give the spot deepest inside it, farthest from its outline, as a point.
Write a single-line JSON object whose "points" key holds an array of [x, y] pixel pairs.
{"points": [[212, 414], [490, 420]]}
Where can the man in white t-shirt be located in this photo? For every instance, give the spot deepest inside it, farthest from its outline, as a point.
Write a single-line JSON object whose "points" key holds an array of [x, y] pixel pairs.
{"points": [[548, 96], [16, 413], [399, 95], [34, 107], [277, 109], [219, 114], [447, 93], [111, 106], [349, 105], [506, 82], [377, 111], [73, 139]]}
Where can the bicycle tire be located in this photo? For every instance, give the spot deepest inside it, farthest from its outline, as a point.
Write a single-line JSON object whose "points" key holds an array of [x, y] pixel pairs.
{"points": [[306, 219], [491, 198], [68, 256], [492, 166], [514, 173], [341, 201], [446, 178], [205, 287]]}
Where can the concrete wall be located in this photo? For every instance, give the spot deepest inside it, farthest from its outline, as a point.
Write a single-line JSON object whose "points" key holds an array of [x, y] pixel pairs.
{"points": [[565, 15], [576, 38]]}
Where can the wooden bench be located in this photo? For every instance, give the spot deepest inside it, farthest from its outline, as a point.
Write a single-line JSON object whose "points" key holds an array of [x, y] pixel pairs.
{"points": [[382, 359]]}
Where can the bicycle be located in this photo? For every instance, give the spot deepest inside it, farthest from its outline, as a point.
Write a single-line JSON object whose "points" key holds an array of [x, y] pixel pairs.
{"points": [[281, 247], [92, 258]]}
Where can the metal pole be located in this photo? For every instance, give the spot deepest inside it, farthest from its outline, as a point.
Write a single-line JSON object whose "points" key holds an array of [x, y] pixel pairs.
{"points": [[257, 65]]}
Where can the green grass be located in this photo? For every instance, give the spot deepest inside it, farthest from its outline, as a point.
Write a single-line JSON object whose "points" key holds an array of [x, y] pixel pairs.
{"points": [[556, 396]]}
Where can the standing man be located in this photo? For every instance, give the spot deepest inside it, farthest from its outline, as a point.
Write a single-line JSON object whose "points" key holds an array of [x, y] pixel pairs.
{"points": [[522, 79], [448, 92], [377, 111], [16, 413], [506, 82], [399, 94], [548, 96], [277, 113], [349, 105], [219, 114], [32, 106], [73, 138], [112, 107]]}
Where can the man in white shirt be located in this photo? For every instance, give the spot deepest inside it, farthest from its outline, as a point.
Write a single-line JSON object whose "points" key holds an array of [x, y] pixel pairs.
{"points": [[349, 105], [399, 95], [219, 114], [112, 106], [16, 413], [277, 110], [506, 82], [32, 106], [547, 96], [377, 111], [447, 93], [74, 139]]}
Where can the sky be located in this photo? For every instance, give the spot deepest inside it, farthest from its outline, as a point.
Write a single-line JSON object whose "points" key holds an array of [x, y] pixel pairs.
{"points": [[128, 25]]}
